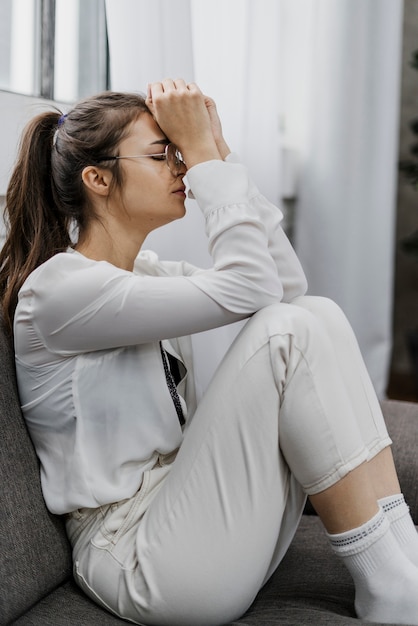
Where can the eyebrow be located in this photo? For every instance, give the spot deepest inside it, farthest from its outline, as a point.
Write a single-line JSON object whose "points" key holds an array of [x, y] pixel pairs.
{"points": [[162, 142]]}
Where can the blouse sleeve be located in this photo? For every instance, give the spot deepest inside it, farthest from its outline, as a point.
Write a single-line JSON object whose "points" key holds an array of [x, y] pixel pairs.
{"points": [[85, 305], [288, 266]]}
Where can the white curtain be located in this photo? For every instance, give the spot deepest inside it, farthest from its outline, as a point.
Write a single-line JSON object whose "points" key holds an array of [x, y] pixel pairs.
{"points": [[148, 40], [317, 76], [346, 211]]}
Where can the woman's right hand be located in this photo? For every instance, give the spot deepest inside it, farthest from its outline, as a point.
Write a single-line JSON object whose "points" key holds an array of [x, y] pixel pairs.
{"points": [[181, 112]]}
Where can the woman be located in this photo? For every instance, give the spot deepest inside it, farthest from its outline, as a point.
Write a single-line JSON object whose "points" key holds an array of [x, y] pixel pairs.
{"points": [[177, 514]]}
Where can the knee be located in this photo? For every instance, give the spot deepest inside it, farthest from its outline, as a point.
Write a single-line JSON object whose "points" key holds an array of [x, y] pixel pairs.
{"points": [[305, 316], [286, 319], [329, 314], [323, 308], [320, 306]]}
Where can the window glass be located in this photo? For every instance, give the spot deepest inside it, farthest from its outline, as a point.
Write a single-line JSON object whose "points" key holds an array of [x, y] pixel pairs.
{"points": [[19, 45]]}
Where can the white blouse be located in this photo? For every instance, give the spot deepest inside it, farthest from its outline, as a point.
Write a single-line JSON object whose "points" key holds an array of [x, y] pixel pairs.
{"points": [[89, 368]]}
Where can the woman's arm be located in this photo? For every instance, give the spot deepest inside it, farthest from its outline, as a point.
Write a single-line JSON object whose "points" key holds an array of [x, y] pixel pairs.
{"points": [[76, 304], [287, 263], [288, 266]]}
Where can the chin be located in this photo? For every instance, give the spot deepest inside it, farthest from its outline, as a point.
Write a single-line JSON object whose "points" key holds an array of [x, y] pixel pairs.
{"points": [[181, 214]]}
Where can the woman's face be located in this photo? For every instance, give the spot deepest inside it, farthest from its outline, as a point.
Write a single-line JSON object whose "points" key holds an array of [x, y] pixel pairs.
{"points": [[150, 195]]}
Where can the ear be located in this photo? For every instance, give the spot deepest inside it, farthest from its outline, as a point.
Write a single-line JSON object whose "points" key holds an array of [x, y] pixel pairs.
{"points": [[97, 179]]}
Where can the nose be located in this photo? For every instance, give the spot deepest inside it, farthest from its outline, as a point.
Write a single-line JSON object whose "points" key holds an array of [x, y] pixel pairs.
{"points": [[180, 170]]}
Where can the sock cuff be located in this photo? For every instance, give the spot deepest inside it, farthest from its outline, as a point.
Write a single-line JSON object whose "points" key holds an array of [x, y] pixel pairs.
{"points": [[394, 506], [365, 550], [358, 539]]}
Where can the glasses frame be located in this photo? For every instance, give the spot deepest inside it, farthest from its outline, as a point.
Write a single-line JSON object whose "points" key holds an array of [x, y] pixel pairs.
{"points": [[171, 155]]}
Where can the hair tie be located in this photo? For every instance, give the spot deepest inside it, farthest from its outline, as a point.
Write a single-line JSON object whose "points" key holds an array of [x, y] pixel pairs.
{"points": [[62, 119], [60, 122]]}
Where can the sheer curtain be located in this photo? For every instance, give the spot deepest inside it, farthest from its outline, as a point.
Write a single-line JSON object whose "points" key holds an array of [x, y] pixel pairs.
{"points": [[346, 210], [318, 76]]}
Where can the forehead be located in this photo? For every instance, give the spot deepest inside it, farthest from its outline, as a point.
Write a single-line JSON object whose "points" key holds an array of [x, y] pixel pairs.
{"points": [[144, 131]]}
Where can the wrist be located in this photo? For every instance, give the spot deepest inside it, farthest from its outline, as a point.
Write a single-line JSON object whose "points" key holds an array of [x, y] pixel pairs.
{"points": [[193, 155], [223, 148]]}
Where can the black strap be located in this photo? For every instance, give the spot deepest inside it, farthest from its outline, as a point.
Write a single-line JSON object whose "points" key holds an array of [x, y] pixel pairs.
{"points": [[172, 386]]}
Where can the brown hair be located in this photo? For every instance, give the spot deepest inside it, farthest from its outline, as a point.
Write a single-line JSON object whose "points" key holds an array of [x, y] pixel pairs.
{"points": [[46, 194]]}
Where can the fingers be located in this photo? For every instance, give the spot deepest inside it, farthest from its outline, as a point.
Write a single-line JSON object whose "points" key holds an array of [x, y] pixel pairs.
{"points": [[168, 85], [175, 100], [174, 85]]}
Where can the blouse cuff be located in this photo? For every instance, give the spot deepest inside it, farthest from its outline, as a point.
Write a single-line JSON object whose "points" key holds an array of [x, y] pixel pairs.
{"points": [[253, 190], [215, 184]]}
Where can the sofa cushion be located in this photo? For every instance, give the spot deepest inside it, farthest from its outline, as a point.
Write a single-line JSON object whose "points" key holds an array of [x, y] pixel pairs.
{"points": [[35, 554], [68, 606]]}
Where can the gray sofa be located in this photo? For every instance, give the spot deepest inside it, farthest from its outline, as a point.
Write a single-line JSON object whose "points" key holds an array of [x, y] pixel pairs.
{"points": [[36, 586]]}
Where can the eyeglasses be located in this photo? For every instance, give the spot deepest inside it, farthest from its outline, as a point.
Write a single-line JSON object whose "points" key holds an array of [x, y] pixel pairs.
{"points": [[171, 156]]}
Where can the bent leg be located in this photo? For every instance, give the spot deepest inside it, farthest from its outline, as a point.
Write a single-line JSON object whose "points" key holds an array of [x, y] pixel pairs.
{"points": [[219, 520], [230, 504], [379, 476], [369, 521]]}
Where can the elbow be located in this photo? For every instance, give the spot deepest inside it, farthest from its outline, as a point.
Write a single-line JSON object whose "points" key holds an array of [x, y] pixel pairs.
{"points": [[295, 289], [264, 298]]}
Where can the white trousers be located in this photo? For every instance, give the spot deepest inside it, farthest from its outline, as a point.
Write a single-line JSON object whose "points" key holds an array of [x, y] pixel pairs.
{"points": [[290, 411]]}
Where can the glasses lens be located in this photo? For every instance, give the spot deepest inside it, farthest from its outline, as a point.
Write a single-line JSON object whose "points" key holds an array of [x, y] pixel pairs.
{"points": [[174, 160]]}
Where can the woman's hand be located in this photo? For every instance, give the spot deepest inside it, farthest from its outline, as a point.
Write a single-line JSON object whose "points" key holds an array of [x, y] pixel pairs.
{"points": [[216, 127], [181, 112]]}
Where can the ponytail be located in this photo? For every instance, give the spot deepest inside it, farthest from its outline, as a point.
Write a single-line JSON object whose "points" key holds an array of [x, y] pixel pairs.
{"points": [[36, 229]]}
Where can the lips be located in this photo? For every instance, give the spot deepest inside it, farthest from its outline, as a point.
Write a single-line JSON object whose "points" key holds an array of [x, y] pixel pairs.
{"points": [[180, 190]]}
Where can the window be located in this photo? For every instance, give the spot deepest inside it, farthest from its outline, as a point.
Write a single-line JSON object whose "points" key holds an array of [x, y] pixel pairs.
{"points": [[19, 46], [53, 48]]}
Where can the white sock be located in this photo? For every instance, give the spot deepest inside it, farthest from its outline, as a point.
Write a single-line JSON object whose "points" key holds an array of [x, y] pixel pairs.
{"points": [[386, 582], [402, 525]]}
